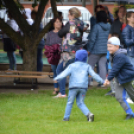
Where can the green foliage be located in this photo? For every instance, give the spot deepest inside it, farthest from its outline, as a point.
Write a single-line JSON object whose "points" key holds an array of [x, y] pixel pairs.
{"points": [[126, 5], [39, 113]]}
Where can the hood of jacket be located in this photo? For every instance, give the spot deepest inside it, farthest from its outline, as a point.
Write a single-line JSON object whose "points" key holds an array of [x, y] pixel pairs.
{"points": [[81, 55], [121, 50], [104, 26]]}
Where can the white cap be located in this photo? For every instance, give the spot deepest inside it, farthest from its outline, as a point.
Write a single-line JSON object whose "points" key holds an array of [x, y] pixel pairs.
{"points": [[114, 41]]}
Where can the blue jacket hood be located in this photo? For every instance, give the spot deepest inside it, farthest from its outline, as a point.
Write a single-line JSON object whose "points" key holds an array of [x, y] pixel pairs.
{"points": [[121, 50], [81, 55], [104, 26]]}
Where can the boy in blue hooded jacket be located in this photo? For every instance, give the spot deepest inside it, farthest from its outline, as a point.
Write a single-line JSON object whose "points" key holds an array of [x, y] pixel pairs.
{"points": [[78, 83]]}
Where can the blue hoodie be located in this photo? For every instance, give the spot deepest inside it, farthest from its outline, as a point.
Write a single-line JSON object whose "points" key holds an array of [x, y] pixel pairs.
{"points": [[79, 72], [122, 68]]}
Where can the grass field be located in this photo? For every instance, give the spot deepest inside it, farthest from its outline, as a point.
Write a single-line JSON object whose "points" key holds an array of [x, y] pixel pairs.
{"points": [[42, 114]]}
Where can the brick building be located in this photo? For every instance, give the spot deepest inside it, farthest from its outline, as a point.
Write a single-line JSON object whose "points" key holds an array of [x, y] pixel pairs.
{"points": [[89, 4]]}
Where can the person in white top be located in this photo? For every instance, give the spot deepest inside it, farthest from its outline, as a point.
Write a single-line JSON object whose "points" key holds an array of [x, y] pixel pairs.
{"points": [[9, 45]]}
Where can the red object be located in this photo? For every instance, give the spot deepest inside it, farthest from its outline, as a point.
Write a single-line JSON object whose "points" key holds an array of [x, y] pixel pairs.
{"points": [[123, 26], [52, 54]]}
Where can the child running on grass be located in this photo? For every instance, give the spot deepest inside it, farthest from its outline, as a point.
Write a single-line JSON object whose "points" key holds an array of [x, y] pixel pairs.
{"points": [[123, 72], [78, 83]]}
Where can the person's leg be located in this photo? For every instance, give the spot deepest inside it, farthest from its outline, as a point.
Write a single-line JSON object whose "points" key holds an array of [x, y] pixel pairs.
{"points": [[39, 60], [14, 60], [71, 97], [130, 89], [9, 55], [54, 67], [120, 95], [92, 60], [80, 101], [62, 83], [102, 67]]}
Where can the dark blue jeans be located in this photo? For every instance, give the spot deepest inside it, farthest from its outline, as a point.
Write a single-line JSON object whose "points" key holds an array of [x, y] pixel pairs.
{"points": [[54, 67], [62, 83], [12, 60], [39, 60]]}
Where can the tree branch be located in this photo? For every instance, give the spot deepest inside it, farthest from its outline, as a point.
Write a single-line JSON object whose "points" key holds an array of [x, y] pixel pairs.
{"points": [[35, 26], [43, 32], [18, 39], [54, 7], [21, 21]]}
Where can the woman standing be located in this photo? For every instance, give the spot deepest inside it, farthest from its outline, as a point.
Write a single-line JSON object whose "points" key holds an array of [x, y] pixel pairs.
{"points": [[97, 46], [72, 41], [9, 45], [52, 45]]}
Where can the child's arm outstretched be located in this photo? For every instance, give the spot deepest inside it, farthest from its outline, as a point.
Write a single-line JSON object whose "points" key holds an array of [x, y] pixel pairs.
{"points": [[63, 74], [94, 75]]}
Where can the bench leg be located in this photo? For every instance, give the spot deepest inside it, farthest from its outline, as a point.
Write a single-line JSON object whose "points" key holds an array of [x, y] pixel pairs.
{"points": [[34, 86]]}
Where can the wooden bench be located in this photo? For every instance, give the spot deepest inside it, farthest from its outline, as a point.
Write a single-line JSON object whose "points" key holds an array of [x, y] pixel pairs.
{"points": [[25, 74]]}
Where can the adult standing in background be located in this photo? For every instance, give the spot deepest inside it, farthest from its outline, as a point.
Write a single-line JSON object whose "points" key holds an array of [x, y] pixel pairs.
{"points": [[97, 46], [53, 41], [40, 45], [72, 41], [93, 20], [109, 15], [117, 24], [9, 45]]}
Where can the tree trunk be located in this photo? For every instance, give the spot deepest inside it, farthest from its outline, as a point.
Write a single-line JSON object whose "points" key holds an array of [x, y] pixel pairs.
{"points": [[30, 58]]}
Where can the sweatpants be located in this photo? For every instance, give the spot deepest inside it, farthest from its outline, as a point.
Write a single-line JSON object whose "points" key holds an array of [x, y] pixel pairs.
{"points": [[120, 95], [101, 60]]}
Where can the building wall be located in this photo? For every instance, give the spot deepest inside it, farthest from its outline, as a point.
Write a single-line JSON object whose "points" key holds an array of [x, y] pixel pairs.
{"points": [[89, 5]]}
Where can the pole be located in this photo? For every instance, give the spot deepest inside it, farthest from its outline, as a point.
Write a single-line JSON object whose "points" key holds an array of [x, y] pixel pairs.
{"points": [[84, 3], [94, 4]]}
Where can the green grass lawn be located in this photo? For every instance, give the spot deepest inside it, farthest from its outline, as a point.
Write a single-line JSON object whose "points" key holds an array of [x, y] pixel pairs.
{"points": [[42, 114]]}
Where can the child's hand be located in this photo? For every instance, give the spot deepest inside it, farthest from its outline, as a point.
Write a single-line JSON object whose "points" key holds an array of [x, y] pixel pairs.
{"points": [[107, 82]]}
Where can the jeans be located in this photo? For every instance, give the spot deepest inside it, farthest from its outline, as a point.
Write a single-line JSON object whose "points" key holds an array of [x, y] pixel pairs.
{"points": [[79, 94], [54, 67], [12, 60], [39, 60], [62, 83]]}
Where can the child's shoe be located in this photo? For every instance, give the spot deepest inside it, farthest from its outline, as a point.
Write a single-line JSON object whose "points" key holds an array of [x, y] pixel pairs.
{"points": [[66, 119], [129, 116], [90, 117]]}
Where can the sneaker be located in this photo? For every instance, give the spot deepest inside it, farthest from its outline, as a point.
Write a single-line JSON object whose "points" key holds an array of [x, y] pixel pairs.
{"points": [[65, 119], [129, 116], [64, 96], [59, 95], [129, 101], [90, 117], [9, 72]]}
